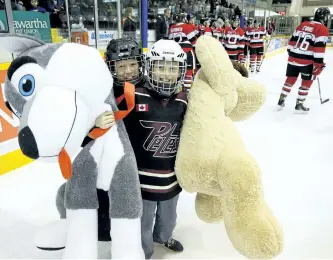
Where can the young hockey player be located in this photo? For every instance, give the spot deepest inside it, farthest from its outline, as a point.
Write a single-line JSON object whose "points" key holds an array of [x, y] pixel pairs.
{"points": [[226, 23], [204, 27], [249, 24], [154, 130], [186, 36], [306, 51], [218, 30], [255, 36], [125, 60], [234, 41]]}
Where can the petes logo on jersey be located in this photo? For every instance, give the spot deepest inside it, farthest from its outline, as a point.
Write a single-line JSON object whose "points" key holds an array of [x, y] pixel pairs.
{"points": [[141, 107], [161, 140]]}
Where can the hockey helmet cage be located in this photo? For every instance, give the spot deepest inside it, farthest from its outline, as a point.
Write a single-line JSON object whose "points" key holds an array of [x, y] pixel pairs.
{"points": [[124, 49], [161, 56], [322, 14]]}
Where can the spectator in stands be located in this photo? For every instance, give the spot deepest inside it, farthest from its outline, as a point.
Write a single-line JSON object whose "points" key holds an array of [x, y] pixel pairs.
{"points": [[20, 6], [238, 11], [33, 5], [129, 23], [162, 26]]}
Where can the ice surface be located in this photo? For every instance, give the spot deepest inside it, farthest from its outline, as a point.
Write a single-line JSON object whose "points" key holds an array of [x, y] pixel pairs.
{"points": [[296, 156]]}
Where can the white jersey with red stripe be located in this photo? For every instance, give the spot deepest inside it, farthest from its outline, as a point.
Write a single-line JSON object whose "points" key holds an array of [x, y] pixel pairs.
{"points": [[255, 36], [183, 33], [233, 40], [218, 34], [308, 44]]}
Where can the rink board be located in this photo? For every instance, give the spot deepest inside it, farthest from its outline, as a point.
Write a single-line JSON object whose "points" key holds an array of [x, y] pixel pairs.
{"points": [[11, 157]]}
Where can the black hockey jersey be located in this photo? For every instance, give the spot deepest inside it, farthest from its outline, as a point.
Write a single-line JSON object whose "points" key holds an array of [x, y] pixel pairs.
{"points": [[154, 130]]}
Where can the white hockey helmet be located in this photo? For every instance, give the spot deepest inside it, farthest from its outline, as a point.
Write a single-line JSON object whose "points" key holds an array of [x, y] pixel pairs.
{"points": [[166, 67], [220, 22]]}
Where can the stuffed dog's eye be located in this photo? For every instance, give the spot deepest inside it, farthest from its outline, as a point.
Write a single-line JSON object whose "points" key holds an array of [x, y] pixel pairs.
{"points": [[28, 79], [27, 85]]}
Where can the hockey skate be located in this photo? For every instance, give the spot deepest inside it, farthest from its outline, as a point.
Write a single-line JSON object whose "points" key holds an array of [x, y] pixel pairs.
{"points": [[281, 103], [300, 108]]}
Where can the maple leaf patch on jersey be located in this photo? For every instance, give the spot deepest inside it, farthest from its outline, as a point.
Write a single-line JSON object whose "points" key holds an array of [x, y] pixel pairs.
{"points": [[142, 108]]}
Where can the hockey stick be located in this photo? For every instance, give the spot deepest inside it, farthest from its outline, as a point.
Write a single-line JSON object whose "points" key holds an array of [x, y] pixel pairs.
{"points": [[321, 99], [267, 46]]}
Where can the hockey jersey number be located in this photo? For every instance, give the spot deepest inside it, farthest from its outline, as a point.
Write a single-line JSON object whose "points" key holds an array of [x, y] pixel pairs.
{"points": [[232, 40], [303, 41], [256, 36]]}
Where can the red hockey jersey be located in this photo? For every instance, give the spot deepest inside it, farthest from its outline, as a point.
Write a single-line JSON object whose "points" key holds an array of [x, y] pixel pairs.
{"points": [[218, 34], [234, 41], [246, 38], [183, 32], [255, 36], [307, 45]]}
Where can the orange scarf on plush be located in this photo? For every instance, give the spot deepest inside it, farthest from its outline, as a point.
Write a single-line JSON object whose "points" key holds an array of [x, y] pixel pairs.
{"points": [[64, 159]]}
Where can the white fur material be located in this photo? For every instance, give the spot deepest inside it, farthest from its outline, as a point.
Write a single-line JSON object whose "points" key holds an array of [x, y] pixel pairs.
{"points": [[131, 247], [58, 229], [113, 148], [82, 236], [48, 112], [92, 87], [75, 96]]}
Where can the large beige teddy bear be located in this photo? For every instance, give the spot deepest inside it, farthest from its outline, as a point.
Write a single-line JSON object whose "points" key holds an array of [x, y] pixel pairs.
{"points": [[213, 161]]}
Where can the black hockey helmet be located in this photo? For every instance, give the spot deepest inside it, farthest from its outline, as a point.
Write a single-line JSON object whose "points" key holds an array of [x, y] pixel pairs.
{"points": [[249, 22], [124, 49], [203, 20], [180, 18], [322, 14]]}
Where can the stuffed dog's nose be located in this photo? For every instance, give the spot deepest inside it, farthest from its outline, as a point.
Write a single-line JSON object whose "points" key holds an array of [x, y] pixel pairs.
{"points": [[28, 143]]}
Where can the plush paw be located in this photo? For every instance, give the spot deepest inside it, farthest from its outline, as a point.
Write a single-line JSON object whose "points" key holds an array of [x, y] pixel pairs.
{"points": [[52, 236], [209, 208], [255, 233], [251, 97]]}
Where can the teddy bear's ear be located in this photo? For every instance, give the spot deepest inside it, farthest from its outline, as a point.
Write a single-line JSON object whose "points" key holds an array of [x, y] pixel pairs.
{"points": [[216, 65]]}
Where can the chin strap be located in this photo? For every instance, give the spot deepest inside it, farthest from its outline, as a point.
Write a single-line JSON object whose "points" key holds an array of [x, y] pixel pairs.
{"points": [[64, 159]]}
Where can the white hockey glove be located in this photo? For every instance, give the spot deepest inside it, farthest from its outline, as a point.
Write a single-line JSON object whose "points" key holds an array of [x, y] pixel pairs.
{"points": [[105, 120]]}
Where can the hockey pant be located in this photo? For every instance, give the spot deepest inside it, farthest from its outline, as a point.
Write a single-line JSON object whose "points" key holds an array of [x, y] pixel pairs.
{"points": [[191, 68], [292, 74], [233, 57], [165, 214], [256, 58]]}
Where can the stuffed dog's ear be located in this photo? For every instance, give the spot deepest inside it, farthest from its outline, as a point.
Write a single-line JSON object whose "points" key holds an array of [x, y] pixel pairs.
{"points": [[240, 68], [17, 44]]}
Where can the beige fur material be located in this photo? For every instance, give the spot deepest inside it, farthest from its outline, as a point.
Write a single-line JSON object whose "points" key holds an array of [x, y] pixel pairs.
{"points": [[213, 161]]}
